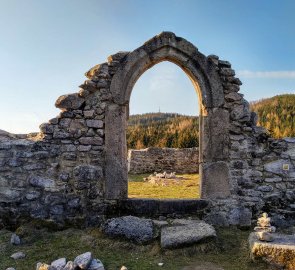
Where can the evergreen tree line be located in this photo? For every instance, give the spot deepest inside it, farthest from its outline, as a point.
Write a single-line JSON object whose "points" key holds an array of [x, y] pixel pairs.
{"points": [[277, 114], [162, 130]]}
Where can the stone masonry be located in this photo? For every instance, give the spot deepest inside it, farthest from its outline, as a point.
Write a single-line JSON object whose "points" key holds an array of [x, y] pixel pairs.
{"points": [[154, 159], [74, 171]]}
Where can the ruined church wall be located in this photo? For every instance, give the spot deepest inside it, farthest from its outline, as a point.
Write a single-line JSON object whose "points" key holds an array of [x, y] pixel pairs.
{"points": [[154, 159], [60, 174]]}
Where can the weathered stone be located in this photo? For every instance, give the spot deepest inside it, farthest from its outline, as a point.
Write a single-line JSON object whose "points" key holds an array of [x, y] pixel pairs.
{"points": [[215, 180], [46, 128], [42, 266], [241, 112], [42, 182], [91, 140], [139, 230], [94, 123], [281, 251], [59, 264], [18, 255], [61, 134], [71, 101], [266, 188], [9, 195], [87, 172], [89, 113], [83, 261], [69, 266], [15, 240], [96, 265], [233, 96], [177, 236]]}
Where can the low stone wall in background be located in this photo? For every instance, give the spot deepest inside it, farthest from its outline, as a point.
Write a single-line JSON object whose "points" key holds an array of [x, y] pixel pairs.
{"points": [[154, 159]]}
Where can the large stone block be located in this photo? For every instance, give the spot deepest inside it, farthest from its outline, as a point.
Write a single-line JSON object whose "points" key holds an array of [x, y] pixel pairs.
{"points": [[116, 152], [139, 230], [214, 142], [215, 180]]}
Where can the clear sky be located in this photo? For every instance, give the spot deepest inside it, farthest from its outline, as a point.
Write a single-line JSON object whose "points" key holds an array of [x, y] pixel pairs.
{"points": [[47, 45]]}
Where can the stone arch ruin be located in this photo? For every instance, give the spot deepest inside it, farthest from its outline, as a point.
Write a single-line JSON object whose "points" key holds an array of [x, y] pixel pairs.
{"points": [[74, 170], [205, 79]]}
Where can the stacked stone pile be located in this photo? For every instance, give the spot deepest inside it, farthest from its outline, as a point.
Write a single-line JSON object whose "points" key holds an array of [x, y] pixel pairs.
{"points": [[163, 179]]}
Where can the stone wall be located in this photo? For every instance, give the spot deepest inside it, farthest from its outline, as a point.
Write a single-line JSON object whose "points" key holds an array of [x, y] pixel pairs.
{"points": [[74, 171], [153, 159]]}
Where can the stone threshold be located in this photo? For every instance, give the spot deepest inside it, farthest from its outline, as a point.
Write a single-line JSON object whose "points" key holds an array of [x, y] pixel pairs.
{"points": [[158, 207]]}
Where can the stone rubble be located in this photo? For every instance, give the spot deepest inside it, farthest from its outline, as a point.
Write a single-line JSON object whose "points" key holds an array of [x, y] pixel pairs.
{"points": [[83, 261]]}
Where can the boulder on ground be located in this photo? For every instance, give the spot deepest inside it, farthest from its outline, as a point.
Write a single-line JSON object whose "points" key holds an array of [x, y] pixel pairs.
{"points": [[188, 234], [139, 230], [83, 261]]}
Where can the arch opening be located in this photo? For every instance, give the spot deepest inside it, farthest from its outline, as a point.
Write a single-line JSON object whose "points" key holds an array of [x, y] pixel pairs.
{"points": [[164, 138]]}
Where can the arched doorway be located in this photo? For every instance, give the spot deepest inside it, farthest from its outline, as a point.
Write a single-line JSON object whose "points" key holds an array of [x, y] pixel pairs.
{"points": [[214, 119], [163, 135]]}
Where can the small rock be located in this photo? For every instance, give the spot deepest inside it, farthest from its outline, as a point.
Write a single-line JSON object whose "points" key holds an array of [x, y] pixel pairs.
{"points": [[59, 263], [10, 268], [83, 260], [95, 265], [18, 255], [124, 268], [15, 240], [264, 236], [160, 264], [43, 266], [69, 266]]}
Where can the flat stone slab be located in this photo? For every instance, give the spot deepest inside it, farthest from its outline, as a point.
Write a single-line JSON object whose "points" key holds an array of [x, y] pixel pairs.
{"points": [[188, 234], [280, 252], [139, 230]]}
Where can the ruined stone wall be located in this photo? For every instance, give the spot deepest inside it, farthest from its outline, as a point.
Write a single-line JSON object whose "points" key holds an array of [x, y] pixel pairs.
{"points": [[153, 159], [67, 173]]}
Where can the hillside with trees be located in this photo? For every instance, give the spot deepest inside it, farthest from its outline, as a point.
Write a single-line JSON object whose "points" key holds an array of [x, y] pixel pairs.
{"points": [[277, 114], [162, 130]]}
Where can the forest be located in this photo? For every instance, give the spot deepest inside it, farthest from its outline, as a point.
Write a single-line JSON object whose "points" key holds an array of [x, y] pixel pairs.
{"points": [[277, 114]]}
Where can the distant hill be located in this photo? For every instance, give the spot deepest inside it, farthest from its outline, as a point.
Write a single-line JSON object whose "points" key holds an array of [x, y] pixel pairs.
{"points": [[162, 130], [277, 114]]}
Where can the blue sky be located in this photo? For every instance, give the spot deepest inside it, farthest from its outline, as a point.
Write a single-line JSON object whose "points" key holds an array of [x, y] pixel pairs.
{"points": [[47, 45]]}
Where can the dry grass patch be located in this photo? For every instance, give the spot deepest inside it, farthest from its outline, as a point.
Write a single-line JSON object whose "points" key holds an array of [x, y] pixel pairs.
{"points": [[187, 188]]}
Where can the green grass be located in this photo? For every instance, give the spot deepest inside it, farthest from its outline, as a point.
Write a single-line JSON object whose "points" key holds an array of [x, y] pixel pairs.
{"points": [[183, 189], [230, 252]]}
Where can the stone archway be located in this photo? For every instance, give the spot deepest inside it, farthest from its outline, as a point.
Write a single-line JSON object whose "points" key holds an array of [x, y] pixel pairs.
{"points": [[214, 118]]}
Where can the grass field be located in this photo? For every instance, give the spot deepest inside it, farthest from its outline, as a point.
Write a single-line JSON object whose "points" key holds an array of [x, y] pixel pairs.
{"points": [[183, 189], [231, 250]]}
